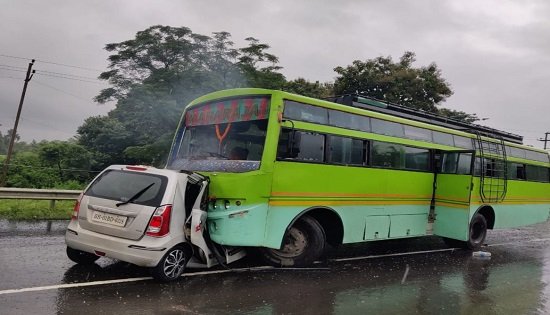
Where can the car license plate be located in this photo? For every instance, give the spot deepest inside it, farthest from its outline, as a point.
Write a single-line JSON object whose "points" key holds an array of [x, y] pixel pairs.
{"points": [[108, 218]]}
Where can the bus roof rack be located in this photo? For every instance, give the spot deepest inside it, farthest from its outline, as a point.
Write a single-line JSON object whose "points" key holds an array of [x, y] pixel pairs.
{"points": [[365, 102]]}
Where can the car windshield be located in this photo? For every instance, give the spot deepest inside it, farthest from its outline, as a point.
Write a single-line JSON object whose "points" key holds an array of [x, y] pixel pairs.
{"points": [[233, 143]]}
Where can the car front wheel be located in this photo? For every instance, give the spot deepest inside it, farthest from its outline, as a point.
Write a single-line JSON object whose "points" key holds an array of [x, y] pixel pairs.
{"points": [[171, 266]]}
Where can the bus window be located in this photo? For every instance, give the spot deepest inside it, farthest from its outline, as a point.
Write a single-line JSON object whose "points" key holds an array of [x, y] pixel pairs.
{"points": [[417, 159], [443, 138], [416, 133], [516, 171], [347, 120], [449, 163], [517, 152], [301, 145], [464, 164], [387, 128], [536, 156], [346, 151], [304, 112], [387, 155], [493, 168], [463, 142]]}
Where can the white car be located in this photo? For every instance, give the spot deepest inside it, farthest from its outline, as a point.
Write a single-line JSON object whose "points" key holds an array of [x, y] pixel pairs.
{"points": [[143, 215]]}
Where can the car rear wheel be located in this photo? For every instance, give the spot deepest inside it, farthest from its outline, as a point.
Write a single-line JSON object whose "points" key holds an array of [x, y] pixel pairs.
{"points": [[304, 243], [81, 257], [171, 266]]}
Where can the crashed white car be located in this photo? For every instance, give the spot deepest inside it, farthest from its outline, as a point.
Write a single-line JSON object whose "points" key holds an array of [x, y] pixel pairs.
{"points": [[148, 217]]}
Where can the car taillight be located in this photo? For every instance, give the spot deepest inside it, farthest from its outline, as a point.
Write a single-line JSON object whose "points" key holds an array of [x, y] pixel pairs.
{"points": [[159, 225], [76, 208]]}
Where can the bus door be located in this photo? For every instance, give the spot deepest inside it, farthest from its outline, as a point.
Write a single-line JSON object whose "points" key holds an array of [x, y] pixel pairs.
{"points": [[452, 190]]}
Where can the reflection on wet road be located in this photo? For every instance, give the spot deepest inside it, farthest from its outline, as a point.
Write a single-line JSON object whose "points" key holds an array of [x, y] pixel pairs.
{"points": [[514, 280]]}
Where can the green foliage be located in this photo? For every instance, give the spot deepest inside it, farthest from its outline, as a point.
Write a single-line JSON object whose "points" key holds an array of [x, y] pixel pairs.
{"points": [[154, 75], [54, 164], [303, 87], [399, 82], [35, 209], [73, 161], [396, 82]]}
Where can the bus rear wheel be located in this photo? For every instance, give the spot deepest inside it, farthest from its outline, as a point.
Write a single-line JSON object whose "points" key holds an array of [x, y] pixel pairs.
{"points": [[304, 243], [476, 234]]}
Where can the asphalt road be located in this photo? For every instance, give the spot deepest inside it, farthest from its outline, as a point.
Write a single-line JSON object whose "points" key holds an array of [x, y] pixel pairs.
{"points": [[413, 276]]}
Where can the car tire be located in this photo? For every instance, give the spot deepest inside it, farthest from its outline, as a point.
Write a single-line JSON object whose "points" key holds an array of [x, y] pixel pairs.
{"points": [[477, 233], [171, 266], [303, 243], [80, 257]]}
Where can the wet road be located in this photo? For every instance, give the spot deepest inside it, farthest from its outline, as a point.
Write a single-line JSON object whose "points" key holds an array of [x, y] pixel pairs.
{"points": [[414, 276]]}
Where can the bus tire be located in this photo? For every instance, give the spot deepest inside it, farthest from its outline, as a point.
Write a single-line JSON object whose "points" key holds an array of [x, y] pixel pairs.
{"points": [[303, 244], [476, 234]]}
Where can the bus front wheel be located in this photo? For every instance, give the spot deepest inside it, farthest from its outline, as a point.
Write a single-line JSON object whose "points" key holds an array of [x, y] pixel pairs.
{"points": [[304, 243]]}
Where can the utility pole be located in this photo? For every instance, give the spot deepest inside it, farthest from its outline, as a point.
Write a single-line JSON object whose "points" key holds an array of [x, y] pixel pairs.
{"points": [[28, 77], [545, 140]]}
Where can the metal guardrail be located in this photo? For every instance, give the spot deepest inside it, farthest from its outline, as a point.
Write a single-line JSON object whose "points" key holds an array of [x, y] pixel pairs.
{"points": [[38, 194]]}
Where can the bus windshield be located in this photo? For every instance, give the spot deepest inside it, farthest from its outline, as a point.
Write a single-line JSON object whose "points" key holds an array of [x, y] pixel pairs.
{"points": [[222, 136]]}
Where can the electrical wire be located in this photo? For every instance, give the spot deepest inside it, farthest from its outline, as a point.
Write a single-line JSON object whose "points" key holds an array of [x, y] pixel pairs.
{"points": [[59, 90], [53, 63], [66, 74], [69, 78]]}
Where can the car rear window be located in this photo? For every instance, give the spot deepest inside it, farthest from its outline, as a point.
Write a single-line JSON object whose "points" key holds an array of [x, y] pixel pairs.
{"points": [[122, 185]]}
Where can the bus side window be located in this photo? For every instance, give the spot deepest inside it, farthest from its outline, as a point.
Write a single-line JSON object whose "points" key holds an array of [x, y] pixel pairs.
{"points": [[301, 145], [464, 164], [516, 171], [343, 150], [449, 163], [387, 155]]}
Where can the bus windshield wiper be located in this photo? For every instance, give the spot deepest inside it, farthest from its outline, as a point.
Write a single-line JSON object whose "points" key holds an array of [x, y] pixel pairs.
{"points": [[136, 196]]}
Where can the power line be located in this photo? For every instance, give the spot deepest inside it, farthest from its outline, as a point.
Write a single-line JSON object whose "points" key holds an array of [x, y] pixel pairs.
{"points": [[22, 68], [8, 77], [54, 63], [14, 70], [70, 78], [67, 74], [59, 90]]}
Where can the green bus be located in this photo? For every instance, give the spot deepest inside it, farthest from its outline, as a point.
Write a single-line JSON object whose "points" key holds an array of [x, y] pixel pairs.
{"points": [[290, 174]]}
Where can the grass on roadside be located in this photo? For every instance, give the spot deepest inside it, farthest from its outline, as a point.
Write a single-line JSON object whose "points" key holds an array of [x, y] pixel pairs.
{"points": [[17, 209]]}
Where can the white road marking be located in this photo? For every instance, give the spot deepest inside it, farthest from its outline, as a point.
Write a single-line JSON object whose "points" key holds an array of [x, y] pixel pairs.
{"points": [[103, 282], [260, 268]]}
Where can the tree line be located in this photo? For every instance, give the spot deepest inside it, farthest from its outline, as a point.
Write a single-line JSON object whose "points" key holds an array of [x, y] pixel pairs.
{"points": [[155, 74]]}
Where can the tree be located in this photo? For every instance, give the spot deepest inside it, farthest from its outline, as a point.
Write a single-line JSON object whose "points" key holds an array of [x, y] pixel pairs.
{"points": [[106, 138], [153, 77], [72, 161], [312, 89], [396, 82]]}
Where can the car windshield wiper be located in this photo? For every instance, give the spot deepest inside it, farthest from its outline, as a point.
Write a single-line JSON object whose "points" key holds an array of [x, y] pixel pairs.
{"points": [[136, 196]]}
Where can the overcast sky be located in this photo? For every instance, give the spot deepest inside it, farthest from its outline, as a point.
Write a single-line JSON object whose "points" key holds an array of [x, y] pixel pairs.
{"points": [[495, 54]]}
